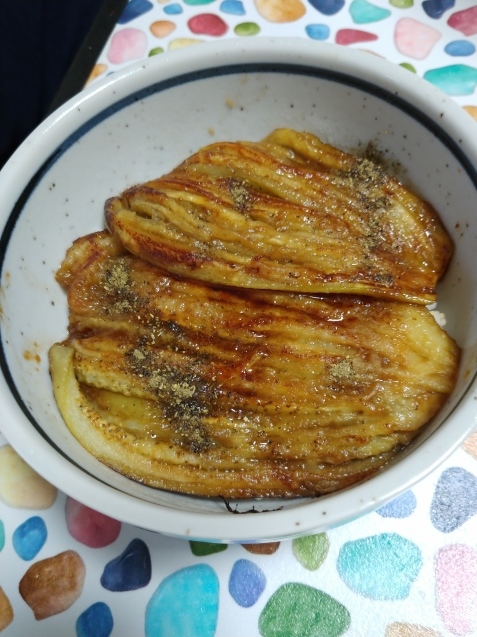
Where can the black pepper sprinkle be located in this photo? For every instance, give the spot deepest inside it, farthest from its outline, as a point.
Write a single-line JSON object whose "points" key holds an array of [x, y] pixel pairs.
{"points": [[184, 396]]}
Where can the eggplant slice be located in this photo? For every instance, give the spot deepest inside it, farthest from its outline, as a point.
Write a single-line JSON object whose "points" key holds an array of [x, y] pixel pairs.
{"points": [[240, 393], [288, 213]]}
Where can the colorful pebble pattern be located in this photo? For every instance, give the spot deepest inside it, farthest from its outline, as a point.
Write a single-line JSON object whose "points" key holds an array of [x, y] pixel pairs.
{"points": [[423, 34], [311, 551], [455, 499], [246, 583], [29, 538], [6, 610], [20, 486], [407, 570], [401, 507], [130, 570], [300, 609], [381, 567], [95, 621], [456, 588], [308, 586], [90, 527], [51, 585], [185, 603]]}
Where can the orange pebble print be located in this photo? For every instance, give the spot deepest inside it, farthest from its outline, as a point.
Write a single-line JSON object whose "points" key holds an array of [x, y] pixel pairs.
{"points": [[52, 585], [267, 548], [280, 10], [6, 610]]}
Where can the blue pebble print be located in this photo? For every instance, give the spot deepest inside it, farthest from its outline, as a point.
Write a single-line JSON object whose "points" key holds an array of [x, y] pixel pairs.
{"points": [[134, 9], [29, 538], [185, 604], [2, 535], [436, 8], [327, 7], [95, 621], [364, 12], [173, 9], [130, 570], [460, 48], [454, 500], [454, 79], [233, 7], [318, 31], [381, 567], [401, 507], [246, 583]]}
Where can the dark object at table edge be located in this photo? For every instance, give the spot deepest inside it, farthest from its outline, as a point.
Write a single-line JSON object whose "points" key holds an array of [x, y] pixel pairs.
{"points": [[84, 61]]}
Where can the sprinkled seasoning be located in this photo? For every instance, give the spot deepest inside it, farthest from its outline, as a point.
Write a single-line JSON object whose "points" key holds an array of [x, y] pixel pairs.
{"points": [[117, 277], [185, 397], [366, 179], [341, 372], [117, 283], [240, 194]]}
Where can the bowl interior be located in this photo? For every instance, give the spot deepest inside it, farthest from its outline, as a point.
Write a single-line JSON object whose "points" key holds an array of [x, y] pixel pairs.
{"points": [[142, 123]]}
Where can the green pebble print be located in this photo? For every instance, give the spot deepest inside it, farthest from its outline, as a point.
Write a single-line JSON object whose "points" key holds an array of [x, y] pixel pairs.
{"points": [[2, 535], [299, 610], [155, 51], [200, 549], [402, 4], [310, 551], [247, 28], [408, 66]]}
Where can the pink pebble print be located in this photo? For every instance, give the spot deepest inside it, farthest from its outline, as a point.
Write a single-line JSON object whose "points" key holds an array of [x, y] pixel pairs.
{"points": [[207, 24], [415, 39], [127, 45], [89, 527], [354, 36], [464, 21], [456, 588]]}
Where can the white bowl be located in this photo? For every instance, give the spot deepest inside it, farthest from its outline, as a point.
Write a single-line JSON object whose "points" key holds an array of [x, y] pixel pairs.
{"points": [[141, 122]]}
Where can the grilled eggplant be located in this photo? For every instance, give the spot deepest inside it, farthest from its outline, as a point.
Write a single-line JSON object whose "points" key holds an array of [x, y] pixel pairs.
{"points": [[288, 213], [236, 392]]}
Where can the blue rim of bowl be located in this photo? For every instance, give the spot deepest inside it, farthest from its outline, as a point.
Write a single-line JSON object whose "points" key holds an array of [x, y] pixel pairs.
{"points": [[367, 87]]}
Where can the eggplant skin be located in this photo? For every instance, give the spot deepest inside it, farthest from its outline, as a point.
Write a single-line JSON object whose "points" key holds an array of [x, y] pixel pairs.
{"points": [[240, 393], [287, 213]]}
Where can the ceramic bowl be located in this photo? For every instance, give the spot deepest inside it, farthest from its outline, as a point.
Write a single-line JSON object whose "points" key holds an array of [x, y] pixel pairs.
{"points": [[141, 122]]}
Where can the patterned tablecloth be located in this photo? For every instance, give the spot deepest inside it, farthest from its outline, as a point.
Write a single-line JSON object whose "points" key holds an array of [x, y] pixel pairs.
{"points": [[407, 570]]}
